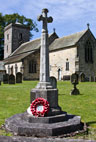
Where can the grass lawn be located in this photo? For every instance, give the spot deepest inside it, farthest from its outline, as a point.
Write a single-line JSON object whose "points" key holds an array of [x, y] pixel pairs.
{"points": [[16, 99]]}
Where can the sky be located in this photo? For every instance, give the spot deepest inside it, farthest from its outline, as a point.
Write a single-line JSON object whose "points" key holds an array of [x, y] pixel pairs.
{"points": [[69, 16]]}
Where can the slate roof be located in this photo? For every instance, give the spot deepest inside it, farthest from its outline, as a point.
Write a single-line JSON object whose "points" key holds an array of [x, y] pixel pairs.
{"points": [[24, 50], [29, 47], [66, 41]]}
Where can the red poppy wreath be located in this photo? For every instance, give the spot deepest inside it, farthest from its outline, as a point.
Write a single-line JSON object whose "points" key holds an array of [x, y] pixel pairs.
{"points": [[39, 107]]}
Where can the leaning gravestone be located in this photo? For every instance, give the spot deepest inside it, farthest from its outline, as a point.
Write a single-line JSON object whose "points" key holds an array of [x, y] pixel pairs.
{"points": [[74, 81], [6, 78], [11, 79], [19, 77], [53, 82], [44, 117]]}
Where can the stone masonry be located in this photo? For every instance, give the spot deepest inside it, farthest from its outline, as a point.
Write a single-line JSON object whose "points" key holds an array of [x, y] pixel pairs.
{"points": [[14, 36]]}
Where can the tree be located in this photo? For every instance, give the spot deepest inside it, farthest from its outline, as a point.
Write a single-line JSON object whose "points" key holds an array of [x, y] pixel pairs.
{"points": [[1, 36], [13, 18]]}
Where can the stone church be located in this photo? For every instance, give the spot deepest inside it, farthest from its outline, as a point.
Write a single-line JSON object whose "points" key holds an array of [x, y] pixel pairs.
{"points": [[67, 55]]}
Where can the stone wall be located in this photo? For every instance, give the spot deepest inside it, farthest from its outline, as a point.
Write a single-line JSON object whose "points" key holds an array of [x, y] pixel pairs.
{"points": [[89, 69], [31, 76], [58, 60], [7, 43], [19, 65], [14, 36]]}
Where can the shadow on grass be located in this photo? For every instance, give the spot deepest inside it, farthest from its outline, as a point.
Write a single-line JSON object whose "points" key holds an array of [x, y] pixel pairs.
{"points": [[70, 95], [90, 123], [62, 94]]}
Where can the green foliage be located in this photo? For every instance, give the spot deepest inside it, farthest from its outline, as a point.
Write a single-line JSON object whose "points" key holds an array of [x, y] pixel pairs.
{"points": [[16, 99], [13, 18]]}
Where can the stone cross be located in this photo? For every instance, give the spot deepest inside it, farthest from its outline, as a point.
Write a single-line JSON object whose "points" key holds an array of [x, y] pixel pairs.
{"points": [[44, 51]]}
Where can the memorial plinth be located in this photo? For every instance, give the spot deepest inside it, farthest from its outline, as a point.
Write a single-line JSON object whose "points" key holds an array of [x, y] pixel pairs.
{"points": [[26, 125], [44, 88], [55, 122], [51, 95]]}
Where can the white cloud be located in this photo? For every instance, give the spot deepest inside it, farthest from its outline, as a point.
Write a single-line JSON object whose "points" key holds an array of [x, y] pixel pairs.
{"points": [[59, 9], [73, 13]]}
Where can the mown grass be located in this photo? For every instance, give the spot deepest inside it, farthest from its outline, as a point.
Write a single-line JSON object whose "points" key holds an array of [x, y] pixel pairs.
{"points": [[16, 99]]}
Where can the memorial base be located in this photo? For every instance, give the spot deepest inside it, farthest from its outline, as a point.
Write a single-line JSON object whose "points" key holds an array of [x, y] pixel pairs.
{"points": [[74, 92], [26, 125], [51, 95]]}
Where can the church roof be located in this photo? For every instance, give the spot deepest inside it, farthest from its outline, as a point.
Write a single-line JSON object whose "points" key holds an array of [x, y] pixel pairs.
{"points": [[66, 41], [29, 47], [24, 50]]}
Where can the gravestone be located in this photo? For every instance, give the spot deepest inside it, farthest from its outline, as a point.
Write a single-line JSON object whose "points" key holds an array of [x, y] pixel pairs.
{"points": [[19, 77], [94, 78], [82, 77], [56, 122], [91, 79], [74, 78], [6, 78], [0, 82], [74, 81], [53, 82], [11, 79], [66, 77]]}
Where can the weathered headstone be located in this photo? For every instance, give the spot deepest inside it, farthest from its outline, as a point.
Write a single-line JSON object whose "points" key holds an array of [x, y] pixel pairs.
{"points": [[82, 77], [53, 81], [6, 78], [66, 77], [74, 81], [91, 79], [94, 78], [19, 77], [11, 79], [74, 78]]}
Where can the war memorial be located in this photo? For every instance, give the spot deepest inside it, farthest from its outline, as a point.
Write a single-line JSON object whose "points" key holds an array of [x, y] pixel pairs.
{"points": [[44, 117]]}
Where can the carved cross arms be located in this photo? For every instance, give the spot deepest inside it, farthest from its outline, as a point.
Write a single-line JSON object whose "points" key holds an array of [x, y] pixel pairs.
{"points": [[41, 18], [44, 17]]}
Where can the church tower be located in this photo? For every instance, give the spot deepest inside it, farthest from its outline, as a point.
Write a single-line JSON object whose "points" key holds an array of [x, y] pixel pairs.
{"points": [[14, 36]]}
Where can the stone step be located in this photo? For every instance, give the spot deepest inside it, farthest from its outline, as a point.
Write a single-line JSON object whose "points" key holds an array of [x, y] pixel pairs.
{"points": [[35, 139], [19, 126], [48, 119]]}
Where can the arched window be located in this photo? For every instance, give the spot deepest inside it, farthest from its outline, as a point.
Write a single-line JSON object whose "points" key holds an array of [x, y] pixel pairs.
{"points": [[88, 52], [32, 66], [59, 74], [67, 65], [7, 48], [20, 37]]}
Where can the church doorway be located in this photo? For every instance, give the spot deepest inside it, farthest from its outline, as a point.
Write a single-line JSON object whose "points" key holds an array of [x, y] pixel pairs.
{"points": [[59, 74]]}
